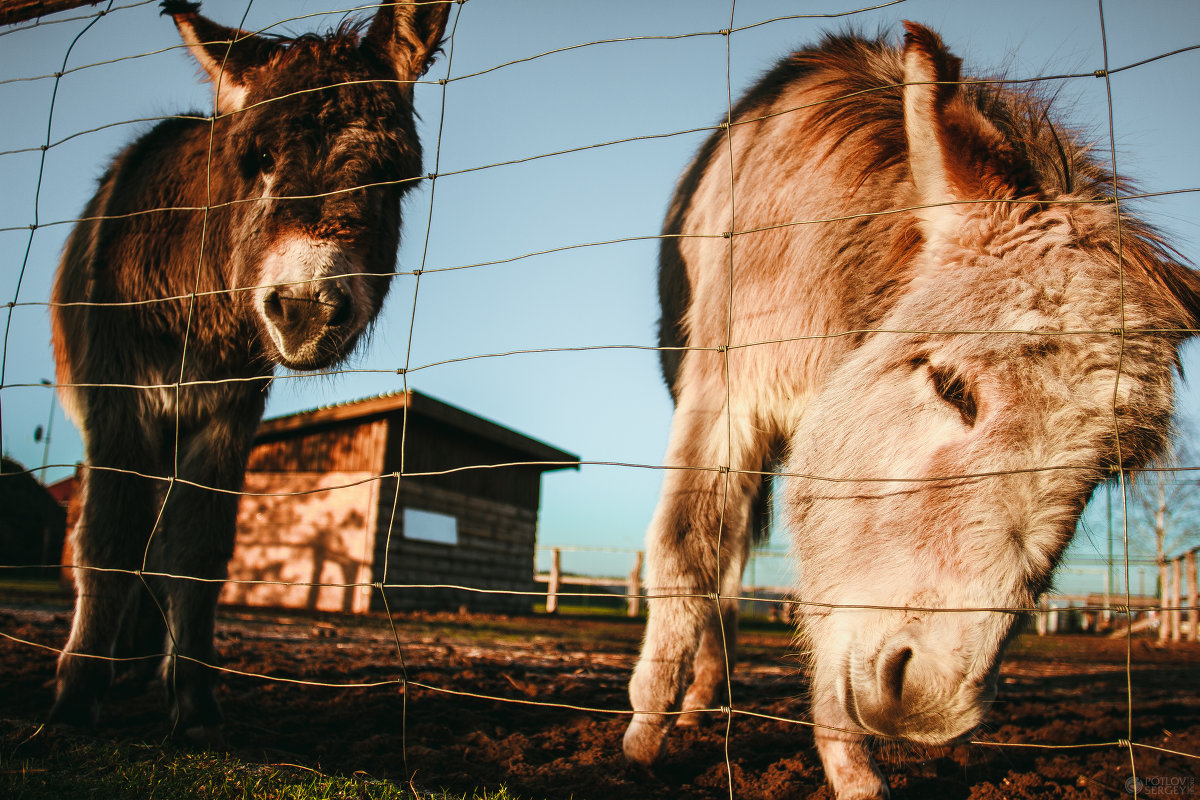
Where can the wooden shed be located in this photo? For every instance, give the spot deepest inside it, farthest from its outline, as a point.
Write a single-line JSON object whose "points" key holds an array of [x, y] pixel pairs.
{"points": [[400, 489]]}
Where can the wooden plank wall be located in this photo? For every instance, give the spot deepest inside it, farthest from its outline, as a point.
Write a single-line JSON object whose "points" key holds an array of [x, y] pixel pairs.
{"points": [[496, 509], [303, 538], [495, 550], [351, 446], [430, 446]]}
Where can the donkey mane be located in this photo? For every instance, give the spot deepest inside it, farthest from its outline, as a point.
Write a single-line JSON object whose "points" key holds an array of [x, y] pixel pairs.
{"points": [[346, 39], [862, 119], [347, 36]]}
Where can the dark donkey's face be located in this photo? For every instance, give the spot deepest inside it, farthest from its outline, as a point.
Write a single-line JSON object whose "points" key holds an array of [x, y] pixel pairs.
{"points": [[315, 145]]}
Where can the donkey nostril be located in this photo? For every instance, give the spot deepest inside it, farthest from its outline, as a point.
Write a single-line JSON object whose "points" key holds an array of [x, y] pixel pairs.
{"points": [[340, 311], [273, 306], [892, 672]]}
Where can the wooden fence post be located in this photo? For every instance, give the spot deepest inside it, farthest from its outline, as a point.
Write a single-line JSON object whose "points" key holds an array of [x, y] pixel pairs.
{"points": [[635, 586], [1193, 599], [1176, 594], [1164, 617], [555, 578]]}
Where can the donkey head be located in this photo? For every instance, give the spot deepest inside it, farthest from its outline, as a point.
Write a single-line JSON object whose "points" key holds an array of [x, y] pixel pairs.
{"points": [[313, 147], [951, 454]]}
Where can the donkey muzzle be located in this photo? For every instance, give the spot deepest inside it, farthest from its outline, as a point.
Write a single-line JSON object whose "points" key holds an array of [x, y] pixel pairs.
{"points": [[911, 691], [308, 322]]}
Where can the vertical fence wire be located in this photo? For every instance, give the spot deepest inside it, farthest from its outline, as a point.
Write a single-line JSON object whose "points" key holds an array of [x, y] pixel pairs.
{"points": [[1117, 385]]}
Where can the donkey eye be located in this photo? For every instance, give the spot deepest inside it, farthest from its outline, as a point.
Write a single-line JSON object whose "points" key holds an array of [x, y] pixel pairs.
{"points": [[257, 160], [955, 391]]}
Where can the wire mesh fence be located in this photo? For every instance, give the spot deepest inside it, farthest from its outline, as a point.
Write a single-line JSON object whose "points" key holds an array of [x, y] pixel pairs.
{"points": [[525, 282]]}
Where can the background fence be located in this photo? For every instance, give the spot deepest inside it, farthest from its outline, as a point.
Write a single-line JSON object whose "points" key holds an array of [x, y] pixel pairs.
{"points": [[554, 134]]}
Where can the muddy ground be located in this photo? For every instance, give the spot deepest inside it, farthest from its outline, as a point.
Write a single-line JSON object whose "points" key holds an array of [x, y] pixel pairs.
{"points": [[1056, 691]]}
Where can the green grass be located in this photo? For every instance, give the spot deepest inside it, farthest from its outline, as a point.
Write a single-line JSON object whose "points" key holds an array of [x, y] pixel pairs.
{"points": [[81, 769], [32, 589]]}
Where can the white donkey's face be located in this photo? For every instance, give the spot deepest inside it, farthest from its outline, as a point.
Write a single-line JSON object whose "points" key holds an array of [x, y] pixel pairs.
{"points": [[948, 466]]}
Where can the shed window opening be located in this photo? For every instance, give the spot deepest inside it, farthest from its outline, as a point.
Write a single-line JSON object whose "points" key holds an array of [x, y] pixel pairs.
{"points": [[430, 526]]}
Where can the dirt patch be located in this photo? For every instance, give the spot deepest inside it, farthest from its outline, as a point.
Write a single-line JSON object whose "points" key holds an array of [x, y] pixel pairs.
{"points": [[470, 718]]}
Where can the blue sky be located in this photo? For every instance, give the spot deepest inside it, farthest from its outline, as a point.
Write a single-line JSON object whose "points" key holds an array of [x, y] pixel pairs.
{"points": [[605, 405]]}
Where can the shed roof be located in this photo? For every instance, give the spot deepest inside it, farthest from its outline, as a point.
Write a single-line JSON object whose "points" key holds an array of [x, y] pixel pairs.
{"points": [[417, 405]]}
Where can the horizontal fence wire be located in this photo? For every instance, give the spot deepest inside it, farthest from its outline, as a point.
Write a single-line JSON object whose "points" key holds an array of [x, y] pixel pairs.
{"points": [[1121, 603]]}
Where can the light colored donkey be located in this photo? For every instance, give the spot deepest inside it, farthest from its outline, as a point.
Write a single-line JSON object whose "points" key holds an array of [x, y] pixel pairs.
{"points": [[931, 303]]}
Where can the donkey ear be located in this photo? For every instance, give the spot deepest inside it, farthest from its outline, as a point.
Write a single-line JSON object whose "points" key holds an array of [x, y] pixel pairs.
{"points": [[407, 36], [228, 55], [929, 75], [955, 153]]}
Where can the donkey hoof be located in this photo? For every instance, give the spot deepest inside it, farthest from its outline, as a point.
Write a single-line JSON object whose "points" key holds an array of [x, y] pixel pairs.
{"points": [[208, 737], [645, 741], [75, 713], [693, 719]]}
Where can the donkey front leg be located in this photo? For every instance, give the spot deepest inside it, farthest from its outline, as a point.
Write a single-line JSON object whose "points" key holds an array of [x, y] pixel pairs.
{"points": [[718, 644], [698, 509], [717, 653], [199, 557], [109, 544], [201, 522]]}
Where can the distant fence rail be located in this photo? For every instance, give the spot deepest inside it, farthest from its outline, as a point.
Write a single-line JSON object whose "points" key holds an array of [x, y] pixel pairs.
{"points": [[1112, 612], [631, 589]]}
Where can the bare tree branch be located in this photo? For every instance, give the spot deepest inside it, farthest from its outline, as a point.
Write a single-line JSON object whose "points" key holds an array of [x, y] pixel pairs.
{"points": [[14, 11], [1166, 503]]}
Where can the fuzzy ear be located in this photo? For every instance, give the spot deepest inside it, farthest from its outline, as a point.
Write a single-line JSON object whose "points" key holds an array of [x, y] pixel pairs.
{"points": [[228, 55], [408, 35], [929, 72], [955, 153]]}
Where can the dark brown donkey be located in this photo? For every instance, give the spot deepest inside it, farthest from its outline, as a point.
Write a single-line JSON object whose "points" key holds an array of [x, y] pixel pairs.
{"points": [[211, 252]]}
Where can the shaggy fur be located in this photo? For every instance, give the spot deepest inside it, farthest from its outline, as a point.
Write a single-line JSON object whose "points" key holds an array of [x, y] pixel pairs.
{"points": [[952, 362], [167, 324]]}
